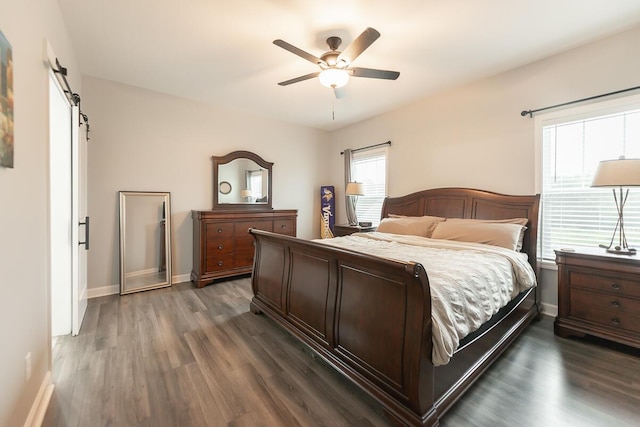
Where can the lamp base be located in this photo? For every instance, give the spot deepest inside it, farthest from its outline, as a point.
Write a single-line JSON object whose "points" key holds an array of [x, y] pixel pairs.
{"points": [[619, 250]]}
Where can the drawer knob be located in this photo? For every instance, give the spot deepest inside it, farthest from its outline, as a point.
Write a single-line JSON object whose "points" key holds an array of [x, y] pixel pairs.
{"points": [[615, 321], [219, 230], [615, 286], [615, 303], [283, 226], [220, 246], [220, 263]]}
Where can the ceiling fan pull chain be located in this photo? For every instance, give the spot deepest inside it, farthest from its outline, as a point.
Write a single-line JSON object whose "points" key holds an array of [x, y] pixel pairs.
{"points": [[333, 110]]}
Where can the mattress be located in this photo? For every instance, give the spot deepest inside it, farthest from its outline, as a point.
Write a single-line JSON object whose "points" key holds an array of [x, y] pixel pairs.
{"points": [[469, 282]]}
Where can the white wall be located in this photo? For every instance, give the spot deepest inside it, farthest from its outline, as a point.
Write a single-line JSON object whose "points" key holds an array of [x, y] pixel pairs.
{"points": [[474, 136], [147, 141], [24, 306]]}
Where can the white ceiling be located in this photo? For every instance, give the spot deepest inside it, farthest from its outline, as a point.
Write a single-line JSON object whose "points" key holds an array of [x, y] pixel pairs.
{"points": [[221, 52]]}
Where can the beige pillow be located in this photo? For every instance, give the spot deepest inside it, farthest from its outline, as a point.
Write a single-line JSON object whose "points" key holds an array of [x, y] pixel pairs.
{"points": [[521, 221], [501, 234], [413, 225]]}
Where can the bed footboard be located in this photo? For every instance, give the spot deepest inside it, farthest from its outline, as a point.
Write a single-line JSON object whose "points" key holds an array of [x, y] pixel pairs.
{"points": [[368, 317]]}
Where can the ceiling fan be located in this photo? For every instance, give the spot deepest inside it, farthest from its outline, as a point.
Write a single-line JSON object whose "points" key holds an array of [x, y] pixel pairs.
{"points": [[335, 65]]}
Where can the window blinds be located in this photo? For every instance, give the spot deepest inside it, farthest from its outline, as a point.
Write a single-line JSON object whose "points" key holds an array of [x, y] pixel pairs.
{"points": [[574, 213], [370, 168]]}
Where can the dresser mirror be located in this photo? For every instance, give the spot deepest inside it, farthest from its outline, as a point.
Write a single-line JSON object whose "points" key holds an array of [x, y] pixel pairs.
{"points": [[241, 180], [145, 241]]}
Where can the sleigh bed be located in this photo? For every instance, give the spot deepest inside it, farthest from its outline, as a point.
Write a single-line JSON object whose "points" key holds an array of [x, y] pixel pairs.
{"points": [[370, 317]]}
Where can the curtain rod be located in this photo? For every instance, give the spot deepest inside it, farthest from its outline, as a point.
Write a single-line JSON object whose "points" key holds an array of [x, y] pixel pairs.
{"points": [[530, 113], [73, 97], [370, 146]]}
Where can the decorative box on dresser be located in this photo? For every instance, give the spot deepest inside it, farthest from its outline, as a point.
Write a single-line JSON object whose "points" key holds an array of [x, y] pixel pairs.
{"points": [[598, 294], [222, 245]]}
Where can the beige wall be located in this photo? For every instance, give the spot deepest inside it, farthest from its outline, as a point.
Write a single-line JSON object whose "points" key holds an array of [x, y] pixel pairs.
{"points": [[24, 306], [474, 136], [147, 141]]}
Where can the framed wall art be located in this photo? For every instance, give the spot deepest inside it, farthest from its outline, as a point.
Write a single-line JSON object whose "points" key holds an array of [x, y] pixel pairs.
{"points": [[6, 103]]}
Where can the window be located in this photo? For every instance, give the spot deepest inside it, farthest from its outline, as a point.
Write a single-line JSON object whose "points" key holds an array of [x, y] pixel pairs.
{"points": [[255, 183], [370, 168], [573, 143]]}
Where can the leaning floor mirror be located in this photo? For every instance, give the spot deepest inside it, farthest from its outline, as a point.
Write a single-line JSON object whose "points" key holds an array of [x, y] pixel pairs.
{"points": [[145, 241]]}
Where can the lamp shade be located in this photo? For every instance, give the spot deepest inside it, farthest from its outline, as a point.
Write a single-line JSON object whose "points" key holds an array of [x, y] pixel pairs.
{"points": [[245, 193], [620, 172], [354, 189]]}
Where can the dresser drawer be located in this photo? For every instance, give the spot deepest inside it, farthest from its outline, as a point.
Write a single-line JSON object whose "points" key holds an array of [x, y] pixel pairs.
{"points": [[599, 281], [284, 226], [586, 301], [242, 228], [220, 245], [220, 262], [219, 229], [244, 257]]}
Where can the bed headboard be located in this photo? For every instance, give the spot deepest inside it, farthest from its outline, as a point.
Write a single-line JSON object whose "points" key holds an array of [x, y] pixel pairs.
{"points": [[471, 203]]}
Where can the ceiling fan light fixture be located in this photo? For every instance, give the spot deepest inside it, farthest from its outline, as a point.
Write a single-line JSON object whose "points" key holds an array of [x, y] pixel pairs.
{"points": [[342, 63], [334, 78]]}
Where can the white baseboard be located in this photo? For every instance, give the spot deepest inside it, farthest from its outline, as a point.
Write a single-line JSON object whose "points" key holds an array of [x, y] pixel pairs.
{"points": [[40, 405], [181, 278], [115, 289], [103, 291], [549, 310]]}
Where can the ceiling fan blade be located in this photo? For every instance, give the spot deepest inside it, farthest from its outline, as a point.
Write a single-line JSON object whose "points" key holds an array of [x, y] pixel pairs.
{"points": [[374, 74], [359, 45], [300, 79], [301, 53], [340, 92]]}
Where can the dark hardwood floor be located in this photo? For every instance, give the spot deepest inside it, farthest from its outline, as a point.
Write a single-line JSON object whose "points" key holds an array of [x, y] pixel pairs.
{"points": [[183, 356]]}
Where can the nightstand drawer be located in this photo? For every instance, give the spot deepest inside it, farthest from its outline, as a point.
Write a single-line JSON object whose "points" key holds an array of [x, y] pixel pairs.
{"points": [[586, 301], [620, 321], [596, 280]]}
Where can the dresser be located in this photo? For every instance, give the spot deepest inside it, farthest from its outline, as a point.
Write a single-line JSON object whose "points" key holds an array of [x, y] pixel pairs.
{"points": [[598, 294], [222, 245]]}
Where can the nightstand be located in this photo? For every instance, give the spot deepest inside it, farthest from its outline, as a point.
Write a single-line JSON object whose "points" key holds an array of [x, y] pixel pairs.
{"points": [[346, 229], [598, 294]]}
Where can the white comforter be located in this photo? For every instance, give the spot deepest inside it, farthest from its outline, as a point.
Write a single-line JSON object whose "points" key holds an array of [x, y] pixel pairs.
{"points": [[469, 282]]}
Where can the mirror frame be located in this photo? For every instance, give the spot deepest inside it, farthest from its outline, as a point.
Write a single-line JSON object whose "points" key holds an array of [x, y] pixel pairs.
{"points": [[123, 195], [223, 160]]}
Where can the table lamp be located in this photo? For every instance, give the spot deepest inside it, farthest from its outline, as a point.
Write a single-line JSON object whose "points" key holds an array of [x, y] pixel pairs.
{"points": [[246, 195], [618, 173], [355, 189]]}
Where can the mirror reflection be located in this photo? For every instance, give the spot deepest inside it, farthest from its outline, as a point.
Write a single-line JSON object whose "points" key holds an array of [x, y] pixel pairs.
{"points": [[145, 241], [242, 180], [246, 180]]}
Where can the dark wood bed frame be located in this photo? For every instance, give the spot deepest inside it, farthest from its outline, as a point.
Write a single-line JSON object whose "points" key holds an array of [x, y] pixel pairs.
{"points": [[370, 318]]}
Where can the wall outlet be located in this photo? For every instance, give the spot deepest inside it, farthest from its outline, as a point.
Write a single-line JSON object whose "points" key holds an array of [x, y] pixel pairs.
{"points": [[27, 366]]}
